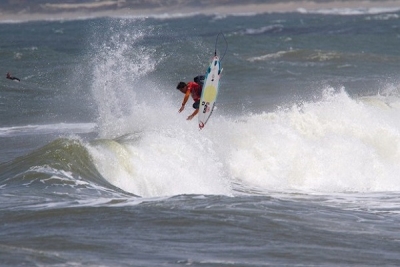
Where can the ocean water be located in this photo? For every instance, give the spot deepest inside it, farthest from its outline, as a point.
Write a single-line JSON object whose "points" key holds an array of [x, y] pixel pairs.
{"points": [[298, 165]]}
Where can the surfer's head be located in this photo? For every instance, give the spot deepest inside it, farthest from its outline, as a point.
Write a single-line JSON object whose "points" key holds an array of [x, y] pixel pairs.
{"points": [[181, 87]]}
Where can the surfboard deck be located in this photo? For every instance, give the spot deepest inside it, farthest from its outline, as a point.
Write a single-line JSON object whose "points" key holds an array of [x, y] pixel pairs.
{"points": [[210, 91]]}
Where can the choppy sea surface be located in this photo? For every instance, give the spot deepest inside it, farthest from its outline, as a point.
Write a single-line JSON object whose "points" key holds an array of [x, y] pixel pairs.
{"points": [[299, 164]]}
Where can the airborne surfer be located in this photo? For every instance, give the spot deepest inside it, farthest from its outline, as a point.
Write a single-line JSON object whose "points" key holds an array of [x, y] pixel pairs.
{"points": [[193, 89]]}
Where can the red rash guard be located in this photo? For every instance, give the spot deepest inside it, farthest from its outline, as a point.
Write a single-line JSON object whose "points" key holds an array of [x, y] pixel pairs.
{"points": [[195, 90]]}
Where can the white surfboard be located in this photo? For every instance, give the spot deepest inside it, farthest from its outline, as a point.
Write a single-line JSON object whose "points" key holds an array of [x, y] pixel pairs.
{"points": [[210, 91]]}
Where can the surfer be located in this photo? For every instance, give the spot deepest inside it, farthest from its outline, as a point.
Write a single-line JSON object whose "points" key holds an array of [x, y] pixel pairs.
{"points": [[193, 89], [11, 77]]}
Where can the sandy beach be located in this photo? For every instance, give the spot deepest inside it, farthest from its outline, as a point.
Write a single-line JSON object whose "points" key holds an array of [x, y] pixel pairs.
{"points": [[85, 11]]}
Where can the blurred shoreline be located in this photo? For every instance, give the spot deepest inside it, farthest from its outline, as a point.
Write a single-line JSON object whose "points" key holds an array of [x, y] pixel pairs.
{"points": [[74, 11]]}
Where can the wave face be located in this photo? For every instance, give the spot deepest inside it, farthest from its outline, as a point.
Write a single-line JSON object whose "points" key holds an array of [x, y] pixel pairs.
{"points": [[335, 144]]}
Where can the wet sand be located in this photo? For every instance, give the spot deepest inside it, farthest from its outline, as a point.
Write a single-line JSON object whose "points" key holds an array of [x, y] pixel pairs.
{"points": [[63, 11]]}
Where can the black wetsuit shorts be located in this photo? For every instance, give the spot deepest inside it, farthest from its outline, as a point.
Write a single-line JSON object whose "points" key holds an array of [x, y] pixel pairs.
{"points": [[196, 104]]}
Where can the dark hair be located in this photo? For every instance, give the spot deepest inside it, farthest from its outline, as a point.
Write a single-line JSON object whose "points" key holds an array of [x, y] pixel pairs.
{"points": [[180, 85]]}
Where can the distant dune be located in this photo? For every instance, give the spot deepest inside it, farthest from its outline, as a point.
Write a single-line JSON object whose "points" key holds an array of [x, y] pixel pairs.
{"points": [[21, 10]]}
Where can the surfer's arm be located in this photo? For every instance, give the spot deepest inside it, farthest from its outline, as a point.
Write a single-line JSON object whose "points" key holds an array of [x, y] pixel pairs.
{"points": [[193, 114], [185, 99]]}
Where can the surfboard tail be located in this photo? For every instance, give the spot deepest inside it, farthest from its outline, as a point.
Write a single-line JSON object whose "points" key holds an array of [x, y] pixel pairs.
{"points": [[201, 125]]}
